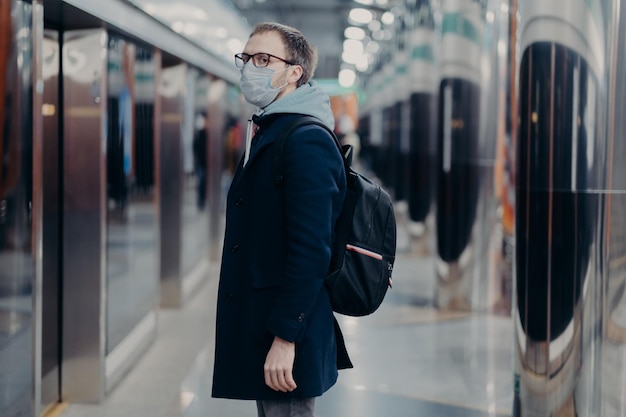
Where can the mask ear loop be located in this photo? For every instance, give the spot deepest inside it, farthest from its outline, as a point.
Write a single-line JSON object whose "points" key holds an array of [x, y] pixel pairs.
{"points": [[286, 83]]}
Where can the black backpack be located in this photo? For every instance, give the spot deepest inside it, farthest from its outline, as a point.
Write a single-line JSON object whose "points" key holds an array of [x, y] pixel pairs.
{"points": [[364, 249]]}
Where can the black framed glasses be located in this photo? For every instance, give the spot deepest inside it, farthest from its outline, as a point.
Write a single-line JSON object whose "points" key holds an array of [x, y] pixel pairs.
{"points": [[259, 60]]}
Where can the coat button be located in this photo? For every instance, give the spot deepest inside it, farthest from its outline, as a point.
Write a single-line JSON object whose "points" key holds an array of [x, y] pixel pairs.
{"points": [[239, 202], [301, 317], [234, 248], [228, 298]]}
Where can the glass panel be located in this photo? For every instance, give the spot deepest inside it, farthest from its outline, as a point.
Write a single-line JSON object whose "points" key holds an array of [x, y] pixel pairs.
{"points": [[16, 261], [195, 218], [132, 233]]}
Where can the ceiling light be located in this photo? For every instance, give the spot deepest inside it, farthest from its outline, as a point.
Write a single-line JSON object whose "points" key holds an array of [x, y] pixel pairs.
{"points": [[201, 15], [365, 2], [347, 58], [353, 46], [373, 47], [191, 29], [354, 33], [347, 77], [360, 16], [150, 8], [374, 25], [221, 32], [363, 62], [235, 45], [178, 26], [388, 18], [379, 35]]}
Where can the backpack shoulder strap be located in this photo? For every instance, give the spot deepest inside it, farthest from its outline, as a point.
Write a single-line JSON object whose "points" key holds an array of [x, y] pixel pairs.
{"points": [[277, 157]]}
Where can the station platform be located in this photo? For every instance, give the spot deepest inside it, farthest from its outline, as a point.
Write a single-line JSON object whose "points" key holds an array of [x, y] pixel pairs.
{"points": [[410, 360]]}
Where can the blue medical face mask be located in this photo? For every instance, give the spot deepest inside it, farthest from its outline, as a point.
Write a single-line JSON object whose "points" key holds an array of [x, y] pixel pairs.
{"points": [[256, 85]]}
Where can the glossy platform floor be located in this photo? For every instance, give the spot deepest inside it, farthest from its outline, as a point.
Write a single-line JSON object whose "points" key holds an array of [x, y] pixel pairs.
{"points": [[410, 360]]}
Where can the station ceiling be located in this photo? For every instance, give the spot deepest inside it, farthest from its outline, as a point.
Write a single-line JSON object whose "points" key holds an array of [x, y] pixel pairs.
{"points": [[221, 27], [322, 21]]}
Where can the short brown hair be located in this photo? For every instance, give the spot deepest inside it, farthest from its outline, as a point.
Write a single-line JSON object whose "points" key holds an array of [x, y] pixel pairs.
{"points": [[299, 49]]}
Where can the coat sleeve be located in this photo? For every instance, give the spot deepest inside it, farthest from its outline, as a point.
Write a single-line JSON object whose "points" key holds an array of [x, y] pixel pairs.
{"points": [[314, 189]]}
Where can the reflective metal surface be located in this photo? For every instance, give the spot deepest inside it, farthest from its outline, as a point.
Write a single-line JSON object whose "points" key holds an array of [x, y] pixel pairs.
{"points": [[227, 114], [391, 119], [457, 140], [84, 214], [170, 95], [17, 256], [472, 45], [193, 128], [504, 175], [422, 106], [373, 145], [52, 215], [399, 123], [133, 284], [37, 203], [568, 74], [195, 142], [614, 320], [492, 271]]}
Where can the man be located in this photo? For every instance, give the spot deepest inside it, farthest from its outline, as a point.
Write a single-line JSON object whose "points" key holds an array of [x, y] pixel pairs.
{"points": [[275, 331]]}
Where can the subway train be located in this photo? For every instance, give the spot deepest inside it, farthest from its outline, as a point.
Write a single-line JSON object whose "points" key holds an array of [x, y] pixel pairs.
{"points": [[497, 127]]}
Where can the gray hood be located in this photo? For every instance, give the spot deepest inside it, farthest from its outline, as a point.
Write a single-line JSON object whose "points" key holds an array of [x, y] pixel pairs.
{"points": [[307, 99]]}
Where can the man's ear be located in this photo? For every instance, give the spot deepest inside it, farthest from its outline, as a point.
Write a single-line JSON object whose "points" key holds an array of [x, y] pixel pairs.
{"points": [[295, 74]]}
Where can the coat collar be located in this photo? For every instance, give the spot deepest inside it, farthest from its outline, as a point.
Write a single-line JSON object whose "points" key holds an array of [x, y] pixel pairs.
{"points": [[270, 129]]}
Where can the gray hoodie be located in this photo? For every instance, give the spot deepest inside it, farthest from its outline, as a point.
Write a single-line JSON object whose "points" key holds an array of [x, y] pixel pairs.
{"points": [[307, 99]]}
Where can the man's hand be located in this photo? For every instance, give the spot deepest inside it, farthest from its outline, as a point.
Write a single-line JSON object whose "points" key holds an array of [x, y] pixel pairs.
{"points": [[279, 366]]}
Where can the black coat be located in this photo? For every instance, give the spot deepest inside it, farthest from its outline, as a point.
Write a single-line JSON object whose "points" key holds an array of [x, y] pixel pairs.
{"points": [[277, 249]]}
